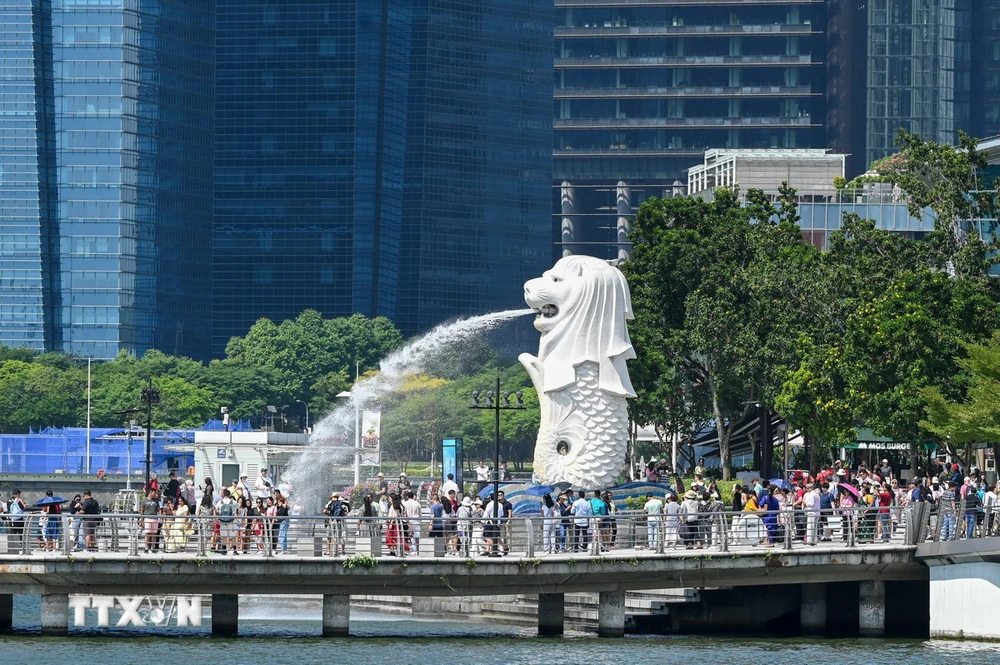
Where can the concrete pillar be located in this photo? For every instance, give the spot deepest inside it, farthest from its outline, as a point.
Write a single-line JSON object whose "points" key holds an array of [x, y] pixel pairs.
{"points": [[336, 615], [225, 614], [55, 614], [6, 611], [611, 614], [551, 613], [871, 609], [812, 612]]}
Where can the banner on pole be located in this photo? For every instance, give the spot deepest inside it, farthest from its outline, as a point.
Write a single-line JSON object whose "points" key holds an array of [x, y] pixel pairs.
{"points": [[371, 442]]}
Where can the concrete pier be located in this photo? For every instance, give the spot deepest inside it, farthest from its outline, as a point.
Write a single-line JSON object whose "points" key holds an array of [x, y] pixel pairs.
{"points": [[55, 614], [871, 609], [225, 614], [812, 612], [6, 611], [336, 615], [551, 614], [611, 614]]}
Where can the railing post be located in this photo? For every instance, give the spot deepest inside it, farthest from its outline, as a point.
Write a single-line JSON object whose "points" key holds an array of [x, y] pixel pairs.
{"points": [[530, 534], [725, 532], [852, 535], [790, 527], [67, 534], [661, 533], [133, 540]]}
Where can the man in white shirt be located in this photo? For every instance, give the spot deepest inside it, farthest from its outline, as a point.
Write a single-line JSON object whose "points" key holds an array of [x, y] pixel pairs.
{"points": [[263, 485], [411, 508], [653, 509], [492, 516], [450, 485], [581, 525], [482, 475]]}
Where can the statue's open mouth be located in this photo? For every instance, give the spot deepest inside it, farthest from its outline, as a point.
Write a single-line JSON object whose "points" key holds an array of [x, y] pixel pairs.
{"points": [[548, 311]]}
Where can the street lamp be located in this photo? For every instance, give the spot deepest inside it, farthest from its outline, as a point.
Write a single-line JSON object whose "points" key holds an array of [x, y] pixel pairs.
{"points": [[497, 401], [149, 396], [357, 436], [130, 421], [298, 401]]}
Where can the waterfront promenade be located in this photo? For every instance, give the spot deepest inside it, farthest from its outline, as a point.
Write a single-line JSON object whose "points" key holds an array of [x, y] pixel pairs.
{"points": [[637, 558]]}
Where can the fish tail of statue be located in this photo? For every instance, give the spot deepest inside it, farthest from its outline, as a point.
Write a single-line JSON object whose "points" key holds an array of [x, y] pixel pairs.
{"points": [[580, 372]]}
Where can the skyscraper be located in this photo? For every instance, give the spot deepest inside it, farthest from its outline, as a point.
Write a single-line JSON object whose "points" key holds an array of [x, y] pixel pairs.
{"points": [[643, 88], [919, 71], [105, 192], [387, 158]]}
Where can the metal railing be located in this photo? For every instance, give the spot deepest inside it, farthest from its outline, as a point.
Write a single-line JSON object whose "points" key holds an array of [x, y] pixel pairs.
{"points": [[522, 536], [944, 521]]}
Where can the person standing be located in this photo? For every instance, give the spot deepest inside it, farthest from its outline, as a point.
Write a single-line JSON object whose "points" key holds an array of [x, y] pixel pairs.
{"points": [[173, 493], [653, 509], [482, 475], [150, 510], [549, 524], [226, 511], [582, 513], [76, 511], [91, 512], [449, 486], [382, 489], [263, 485], [15, 508], [412, 509], [334, 510], [281, 514]]}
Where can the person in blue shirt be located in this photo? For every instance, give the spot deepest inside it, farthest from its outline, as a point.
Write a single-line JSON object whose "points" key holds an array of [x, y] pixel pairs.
{"points": [[437, 512], [602, 525]]}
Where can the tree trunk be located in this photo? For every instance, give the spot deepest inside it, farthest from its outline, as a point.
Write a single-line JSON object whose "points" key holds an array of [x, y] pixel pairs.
{"points": [[725, 459]]}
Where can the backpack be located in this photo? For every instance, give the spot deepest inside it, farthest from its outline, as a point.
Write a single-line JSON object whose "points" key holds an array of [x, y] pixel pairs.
{"points": [[15, 508], [226, 511]]}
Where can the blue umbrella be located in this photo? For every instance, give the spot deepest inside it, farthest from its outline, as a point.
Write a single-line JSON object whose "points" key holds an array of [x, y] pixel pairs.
{"points": [[781, 483], [50, 500], [542, 490]]}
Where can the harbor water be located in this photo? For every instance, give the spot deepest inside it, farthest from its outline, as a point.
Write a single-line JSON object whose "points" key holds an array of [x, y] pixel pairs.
{"points": [[379, 638]]}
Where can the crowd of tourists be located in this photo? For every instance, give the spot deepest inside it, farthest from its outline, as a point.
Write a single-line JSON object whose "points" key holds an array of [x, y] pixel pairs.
{"points": [[835, 503]]}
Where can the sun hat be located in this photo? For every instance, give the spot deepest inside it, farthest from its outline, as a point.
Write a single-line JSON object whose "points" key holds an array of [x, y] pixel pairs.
{"points": [[466, 501], [478, 501], [690, 495], [381, 475]]}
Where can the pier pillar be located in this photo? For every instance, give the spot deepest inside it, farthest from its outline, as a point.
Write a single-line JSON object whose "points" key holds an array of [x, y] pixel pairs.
{"points": [[6, 611], [225, 614], [55, 614], [812, 612], [336, 615], [551, 613], [871, 609], [611, 614]]}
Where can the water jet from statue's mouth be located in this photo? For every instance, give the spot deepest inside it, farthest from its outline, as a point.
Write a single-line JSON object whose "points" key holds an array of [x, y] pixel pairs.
{"points": [[547, 311]]}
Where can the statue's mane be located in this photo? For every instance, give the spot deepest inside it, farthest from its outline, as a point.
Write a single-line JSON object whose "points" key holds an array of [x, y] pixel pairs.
{"points": [[593, 330]]}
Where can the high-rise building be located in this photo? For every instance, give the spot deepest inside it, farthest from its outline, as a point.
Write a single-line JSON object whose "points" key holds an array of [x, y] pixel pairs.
{"points": [[919, 71], [644, 87], [986, 68], [387, 158], [105, 192]]}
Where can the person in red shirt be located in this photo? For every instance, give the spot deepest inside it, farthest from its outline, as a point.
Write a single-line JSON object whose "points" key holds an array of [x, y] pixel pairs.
{"points": [[884, 497]]}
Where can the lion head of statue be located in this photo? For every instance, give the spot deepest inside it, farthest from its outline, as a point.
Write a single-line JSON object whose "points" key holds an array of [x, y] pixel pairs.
{"points": [[582, 306]]}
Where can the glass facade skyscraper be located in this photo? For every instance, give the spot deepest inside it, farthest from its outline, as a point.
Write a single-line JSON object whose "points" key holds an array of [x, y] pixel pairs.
{"points": [[919, 71], [387, 158], [105, 193], [644, 87]]}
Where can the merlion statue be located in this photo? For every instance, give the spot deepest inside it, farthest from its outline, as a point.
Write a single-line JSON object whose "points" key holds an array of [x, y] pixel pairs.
{"points": [[580, 372]]}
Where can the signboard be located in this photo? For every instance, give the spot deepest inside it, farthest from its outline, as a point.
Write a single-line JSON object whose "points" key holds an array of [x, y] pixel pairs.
{"points": [[887, 445], [139, 611], [451, 460], [371, 442], [220, 453]]}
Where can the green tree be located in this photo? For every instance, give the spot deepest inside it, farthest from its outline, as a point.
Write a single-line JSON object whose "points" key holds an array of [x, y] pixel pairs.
{"points": [[960, 423], [714, 287], [39, 395]]}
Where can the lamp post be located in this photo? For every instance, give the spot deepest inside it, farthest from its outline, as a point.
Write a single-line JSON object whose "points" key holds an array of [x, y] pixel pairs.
{"points": [[498, 402], [298, 401], [149, 397], [128, 413], [357, 436]]}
